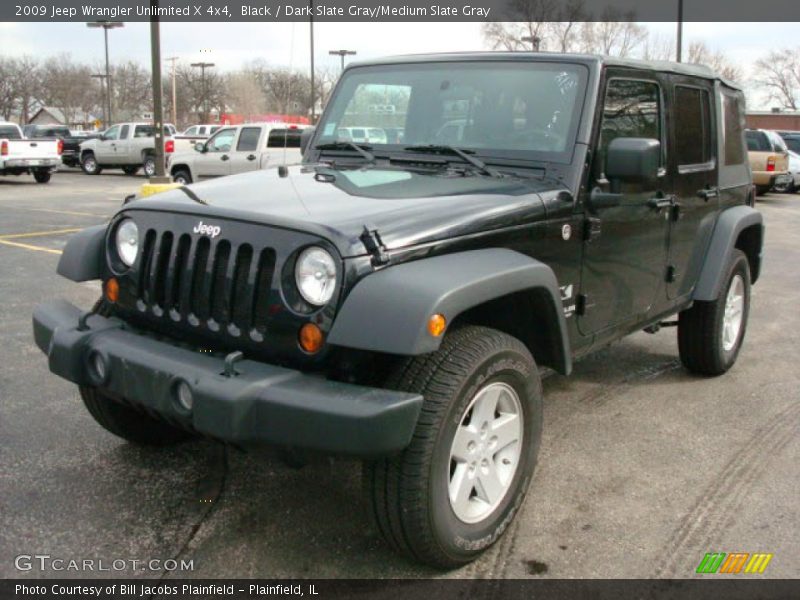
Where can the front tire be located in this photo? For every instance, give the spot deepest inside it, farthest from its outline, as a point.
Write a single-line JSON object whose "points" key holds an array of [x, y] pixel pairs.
{"points": [[710, 334], [453, 492], [89, 165], [41, 175], [129, 423], [182, 176]]}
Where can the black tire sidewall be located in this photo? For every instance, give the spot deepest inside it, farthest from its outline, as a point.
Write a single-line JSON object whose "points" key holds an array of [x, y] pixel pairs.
{"points": [[187, 179], [149, 160], [738, 266], [464, 540], [87, 170]]}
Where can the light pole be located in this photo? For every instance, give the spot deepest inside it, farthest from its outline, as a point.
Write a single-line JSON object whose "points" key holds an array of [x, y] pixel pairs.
{"points": [[203, 66], [172, 60], [679, 49], [106, 25], [313, 82], [101, 77], [341, 54], [158, 114], [534, 40]]}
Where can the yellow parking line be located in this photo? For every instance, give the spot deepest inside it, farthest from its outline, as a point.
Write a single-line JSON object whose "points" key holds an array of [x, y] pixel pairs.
{"points": [[62, 212], [38, 233], [29, 247]]}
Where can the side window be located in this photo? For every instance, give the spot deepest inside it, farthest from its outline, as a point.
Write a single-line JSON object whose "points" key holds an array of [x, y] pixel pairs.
{"points": [[112, 133], [284, 138], [248, 139], [222, 141], [124, 133], [692, 126], [757, 141], [632, 109], [732, 122], [190, 131]]}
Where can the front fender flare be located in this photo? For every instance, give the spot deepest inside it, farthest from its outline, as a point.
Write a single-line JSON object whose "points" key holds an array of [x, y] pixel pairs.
{"points": [[388, 311], [730, 223], [82, 259]]}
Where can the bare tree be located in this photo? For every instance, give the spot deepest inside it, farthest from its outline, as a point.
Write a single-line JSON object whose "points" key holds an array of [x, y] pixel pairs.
{"points": [[132, 90], [658, 47], [616, 34], [28, 84], [779, 73], [65, 85], [699, 53], [532, 19], [8, 90], [244, 95], [565, 32]]}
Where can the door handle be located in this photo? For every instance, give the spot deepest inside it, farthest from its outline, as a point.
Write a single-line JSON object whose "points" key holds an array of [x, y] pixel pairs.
{"points": [[660, 203], [224, 157], [708, 193], [251, 157]]}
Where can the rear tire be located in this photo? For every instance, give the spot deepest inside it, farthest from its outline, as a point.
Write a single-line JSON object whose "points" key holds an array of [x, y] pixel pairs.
{"points": [[41, 175], [149, 165], [182, 176], [129, 423], [455, 489], [710, 334], [89, 165]]}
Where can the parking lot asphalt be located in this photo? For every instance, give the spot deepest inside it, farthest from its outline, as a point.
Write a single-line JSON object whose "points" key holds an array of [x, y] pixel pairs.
{"points": [[643, 468]]}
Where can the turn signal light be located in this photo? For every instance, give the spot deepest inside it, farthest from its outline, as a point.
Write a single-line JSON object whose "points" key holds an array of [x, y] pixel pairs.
{"points": [[169, 146], [4, 148], [112, 290], [436, 325], [310, 338], [771, 163], [60, 147]]}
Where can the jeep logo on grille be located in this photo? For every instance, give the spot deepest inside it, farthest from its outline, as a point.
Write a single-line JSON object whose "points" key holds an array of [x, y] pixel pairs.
{"points": [[210, 230]]}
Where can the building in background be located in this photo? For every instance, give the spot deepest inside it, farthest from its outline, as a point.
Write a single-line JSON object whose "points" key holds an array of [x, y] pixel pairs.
{"points": [[779, 120]]}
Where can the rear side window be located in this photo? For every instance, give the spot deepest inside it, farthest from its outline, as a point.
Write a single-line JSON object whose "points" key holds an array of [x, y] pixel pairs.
{"points": [[692, 126], [284, 138], [124, 133], [793, 143], [732, 122], [9, 133], [248, 139], [757, 141]]}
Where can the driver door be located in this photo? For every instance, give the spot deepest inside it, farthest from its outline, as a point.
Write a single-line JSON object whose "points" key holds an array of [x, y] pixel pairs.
{"points": [[105, 149], [624, 257], [216, 160]]}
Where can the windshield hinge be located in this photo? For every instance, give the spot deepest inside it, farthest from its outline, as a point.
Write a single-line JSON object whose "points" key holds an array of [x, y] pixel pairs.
{"points": [[374, 245]]}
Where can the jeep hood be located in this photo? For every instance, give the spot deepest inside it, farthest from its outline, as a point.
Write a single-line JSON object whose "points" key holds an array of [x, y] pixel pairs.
{"points": [[407, 208]]}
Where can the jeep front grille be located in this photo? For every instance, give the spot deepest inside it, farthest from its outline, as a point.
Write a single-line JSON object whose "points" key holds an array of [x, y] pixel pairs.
{"points": [[214, 284]]}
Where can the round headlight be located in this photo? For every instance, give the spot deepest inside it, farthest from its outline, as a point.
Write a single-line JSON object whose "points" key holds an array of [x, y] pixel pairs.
{"points": [[315, 275], [127, 242]]}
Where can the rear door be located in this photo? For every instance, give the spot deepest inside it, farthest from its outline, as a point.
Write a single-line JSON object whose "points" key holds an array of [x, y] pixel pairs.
{"points": [[693, 166], [246, 155], [624, 257], [124, 147]]}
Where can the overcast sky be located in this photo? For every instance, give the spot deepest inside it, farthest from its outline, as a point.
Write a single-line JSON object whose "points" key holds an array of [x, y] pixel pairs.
{"points": [[229, 45]]}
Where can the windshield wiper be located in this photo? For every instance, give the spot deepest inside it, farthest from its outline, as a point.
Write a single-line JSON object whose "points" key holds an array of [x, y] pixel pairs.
{"points": [[362, 150], [445, 149]]}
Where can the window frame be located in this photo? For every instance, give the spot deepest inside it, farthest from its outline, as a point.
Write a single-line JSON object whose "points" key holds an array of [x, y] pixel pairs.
{"points": [[662, 120], [258, 138], [710, 164]]}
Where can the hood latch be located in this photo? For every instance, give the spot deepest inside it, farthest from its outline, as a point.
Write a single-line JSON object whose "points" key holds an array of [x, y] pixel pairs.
{"points": [[374, 245]]}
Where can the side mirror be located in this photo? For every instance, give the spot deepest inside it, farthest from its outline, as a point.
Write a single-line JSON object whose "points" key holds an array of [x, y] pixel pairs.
{"points": [[632, 160], [200, 147], [305, 139]]}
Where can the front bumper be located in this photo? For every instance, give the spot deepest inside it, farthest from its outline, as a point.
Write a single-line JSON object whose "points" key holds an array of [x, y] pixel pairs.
{"points": [[261, 404], [32, 163]]}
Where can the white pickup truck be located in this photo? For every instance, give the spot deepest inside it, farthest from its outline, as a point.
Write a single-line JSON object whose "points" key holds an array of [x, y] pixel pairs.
{"points": [[20, 156], [238, 149], [126, 146]]}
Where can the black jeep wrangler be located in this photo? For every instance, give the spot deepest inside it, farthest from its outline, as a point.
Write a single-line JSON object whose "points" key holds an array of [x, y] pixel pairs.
{"points": [[395, 297]]}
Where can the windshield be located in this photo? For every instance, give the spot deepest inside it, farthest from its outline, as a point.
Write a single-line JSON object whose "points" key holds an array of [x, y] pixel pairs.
{"points": [[497, 109]]}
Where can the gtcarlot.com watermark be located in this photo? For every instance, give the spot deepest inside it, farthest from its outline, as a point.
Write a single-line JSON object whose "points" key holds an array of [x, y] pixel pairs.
{"points": [[46, 562]]}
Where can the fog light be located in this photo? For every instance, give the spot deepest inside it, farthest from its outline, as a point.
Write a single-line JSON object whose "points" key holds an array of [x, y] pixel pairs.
{"points": [[97, 367], [184, 395], [310, 338]]}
